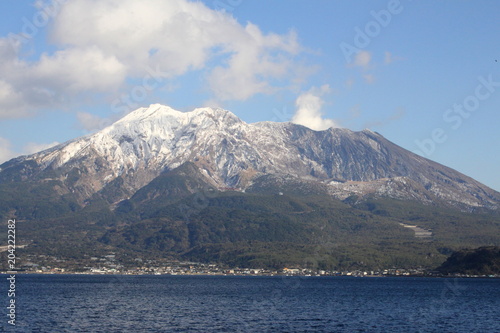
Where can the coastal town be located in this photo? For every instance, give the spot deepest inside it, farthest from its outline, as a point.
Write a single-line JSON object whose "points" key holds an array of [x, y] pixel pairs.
{"points": [[109, 264]]}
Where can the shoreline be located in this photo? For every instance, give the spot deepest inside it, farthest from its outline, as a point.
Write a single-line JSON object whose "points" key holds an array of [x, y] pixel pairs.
{"points": [[456, 276]]}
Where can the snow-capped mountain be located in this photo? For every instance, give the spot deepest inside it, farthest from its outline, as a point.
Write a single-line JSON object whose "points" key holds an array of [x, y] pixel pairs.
{"points": [[231, 153]]}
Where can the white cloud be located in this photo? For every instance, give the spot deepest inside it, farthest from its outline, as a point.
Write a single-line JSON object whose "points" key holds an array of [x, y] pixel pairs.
{"points": [[90, 122], [79, 70], [6, 152], [178, 36], [101, 45], [33, 147], [175, 35], [389, 58], [12, 104], [369, 78], [52, 79], [16, 93], [256, 60], [308, 112], [363, 59]]}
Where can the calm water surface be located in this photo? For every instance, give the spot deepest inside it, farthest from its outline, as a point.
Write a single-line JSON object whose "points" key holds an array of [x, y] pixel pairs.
{"points": [[83, 303]]}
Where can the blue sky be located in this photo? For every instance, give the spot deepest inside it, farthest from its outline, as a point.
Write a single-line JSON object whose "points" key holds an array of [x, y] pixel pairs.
{"points": [[422, 73]]}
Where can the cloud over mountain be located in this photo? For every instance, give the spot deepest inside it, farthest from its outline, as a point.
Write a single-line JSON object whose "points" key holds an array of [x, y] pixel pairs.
{"points": [[103, 46], [309, 113]]}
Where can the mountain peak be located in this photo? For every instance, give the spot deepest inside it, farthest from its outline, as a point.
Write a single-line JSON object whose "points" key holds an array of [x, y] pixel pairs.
{"points": [[153, 111], [159, 111], [232, 153]]}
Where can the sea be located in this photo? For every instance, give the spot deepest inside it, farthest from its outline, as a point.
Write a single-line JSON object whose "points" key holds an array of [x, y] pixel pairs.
{"points": [[150, 303]]}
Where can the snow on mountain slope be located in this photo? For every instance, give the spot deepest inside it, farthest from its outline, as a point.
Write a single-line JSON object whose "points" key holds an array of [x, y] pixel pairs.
{"points": [[231, 153]]}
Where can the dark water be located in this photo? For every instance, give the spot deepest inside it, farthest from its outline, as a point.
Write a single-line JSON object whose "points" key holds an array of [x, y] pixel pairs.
{"points": [[79, 303]]}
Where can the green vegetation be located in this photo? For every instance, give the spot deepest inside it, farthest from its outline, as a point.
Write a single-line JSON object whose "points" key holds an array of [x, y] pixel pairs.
{"points": [[481, 261], [179, 216], [35, 200]]}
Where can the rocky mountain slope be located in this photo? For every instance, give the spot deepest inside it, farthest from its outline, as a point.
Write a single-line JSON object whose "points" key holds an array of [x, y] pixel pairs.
{"points": [[119, 160], [206, 186]]}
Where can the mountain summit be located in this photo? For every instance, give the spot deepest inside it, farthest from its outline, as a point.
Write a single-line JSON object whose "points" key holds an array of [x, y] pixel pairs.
{"points": [[230, 153]]}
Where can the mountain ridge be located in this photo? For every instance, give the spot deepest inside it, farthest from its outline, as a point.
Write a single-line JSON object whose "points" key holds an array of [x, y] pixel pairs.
{"points": [[206, 186], [233, 154]]}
